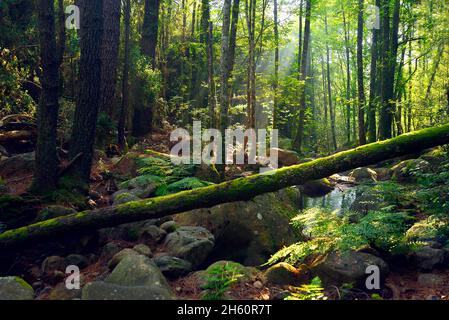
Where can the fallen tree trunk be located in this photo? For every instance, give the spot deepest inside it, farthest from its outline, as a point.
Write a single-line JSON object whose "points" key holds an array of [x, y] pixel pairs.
{"points": [[235, 190], [16, 135]]}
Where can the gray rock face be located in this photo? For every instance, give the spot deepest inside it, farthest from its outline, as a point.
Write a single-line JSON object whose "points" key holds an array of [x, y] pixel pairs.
{"points": [[77, 260], [152, 235], [190, 243], [136, 277], [15, 288], [53, 263], [173, 267], [427, 258], [143, 250], [169, 226], [19, 163], [350, 267], [249, 231], [118, 257], [107, 291], [363, 174]]}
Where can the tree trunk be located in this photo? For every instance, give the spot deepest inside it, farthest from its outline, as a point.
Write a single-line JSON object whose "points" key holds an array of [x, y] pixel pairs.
{"points": [[250, 9], [46, 173], [236, 190], [298, 141], [374, 85], [360, 82], [150, 30], [348, 79], [109, 55], [329, 90], [125, 79], [276, 66], [85, 120]]}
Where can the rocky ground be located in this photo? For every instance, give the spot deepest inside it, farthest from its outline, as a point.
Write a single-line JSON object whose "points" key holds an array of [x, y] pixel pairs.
{"points": [[216, 253]]}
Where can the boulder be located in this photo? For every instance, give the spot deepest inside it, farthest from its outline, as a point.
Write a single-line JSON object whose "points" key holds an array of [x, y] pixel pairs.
{"points": [[152, 235], [284, 274], [52, 264], [139, 271], [60, 292], [363, 175], [55, 211], [100, 290], [77, 260], [405, 170], [287, 158], [118, 257], [23, 163], [124, 198], [383, 174], [173, 267], [249, 231], [431, 229], [15, 288], [169, 226], [193, 244], [317, 188], [348, 268], [143, 250], [110, 249], [427, 258]]}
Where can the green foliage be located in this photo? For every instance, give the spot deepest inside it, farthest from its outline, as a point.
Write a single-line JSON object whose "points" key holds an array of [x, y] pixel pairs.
{"points": [[106, 129], [219, 279], [312, 291], [181, 185], [327, 231]]}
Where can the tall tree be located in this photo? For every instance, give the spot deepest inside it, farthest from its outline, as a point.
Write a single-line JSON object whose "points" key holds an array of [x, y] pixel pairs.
{"points": [[46, 173], [329, 88], [125, 77], [150, 28], [348, 77], [299, 136], [110, 51], [276, 65], [374, 90], [88, 102], [360, 80], [250, 13]]}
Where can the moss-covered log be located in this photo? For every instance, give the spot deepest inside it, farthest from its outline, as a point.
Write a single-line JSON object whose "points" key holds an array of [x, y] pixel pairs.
{"points": [[235, 190]]}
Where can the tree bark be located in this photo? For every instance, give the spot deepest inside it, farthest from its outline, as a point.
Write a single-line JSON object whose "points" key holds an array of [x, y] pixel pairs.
{"points": [[46, 173], [85, 120], [125, 79], [276, 65], [150, 30], [236, 190], [374, 85], [360, 76], [110, 52], [329, 90]]}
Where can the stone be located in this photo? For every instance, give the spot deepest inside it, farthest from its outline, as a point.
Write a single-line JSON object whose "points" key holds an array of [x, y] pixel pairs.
{"points": [[427, 258], [55, 211], [363, 175], [124, 198], [15, 288], [430, 280], [169, 226], [208, 173], [110, 249], [383, 174], [19, 163], [173, 267], [287, 158], [249, 231], [138, 270], [52, 264], [404, 171], [118, 257], [99, 290], [60, 292], [317, 188], [152, 235], [190, 243], [143, 250], [77, 260], [284, 274], [348, 268]]}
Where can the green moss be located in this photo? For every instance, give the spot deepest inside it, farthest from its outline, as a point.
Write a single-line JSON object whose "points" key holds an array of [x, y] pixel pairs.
{"points": [[23, 283]]}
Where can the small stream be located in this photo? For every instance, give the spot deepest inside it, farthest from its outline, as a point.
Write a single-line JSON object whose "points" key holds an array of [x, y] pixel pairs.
{"points": [[340, 199]]}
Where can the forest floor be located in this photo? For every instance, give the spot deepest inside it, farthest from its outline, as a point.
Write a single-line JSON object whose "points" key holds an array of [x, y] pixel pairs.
{"points": [[405, 284]]}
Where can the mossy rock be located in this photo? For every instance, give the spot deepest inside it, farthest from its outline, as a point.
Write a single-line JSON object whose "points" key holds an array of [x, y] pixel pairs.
{"points": [[433, 228], [124, 198], [142, 181], [284, 274], [404, 171], [16, 211], [15, 288]]}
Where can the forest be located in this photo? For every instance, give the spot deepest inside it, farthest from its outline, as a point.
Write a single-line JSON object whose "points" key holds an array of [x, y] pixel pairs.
{"points": [[333, 184]]}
